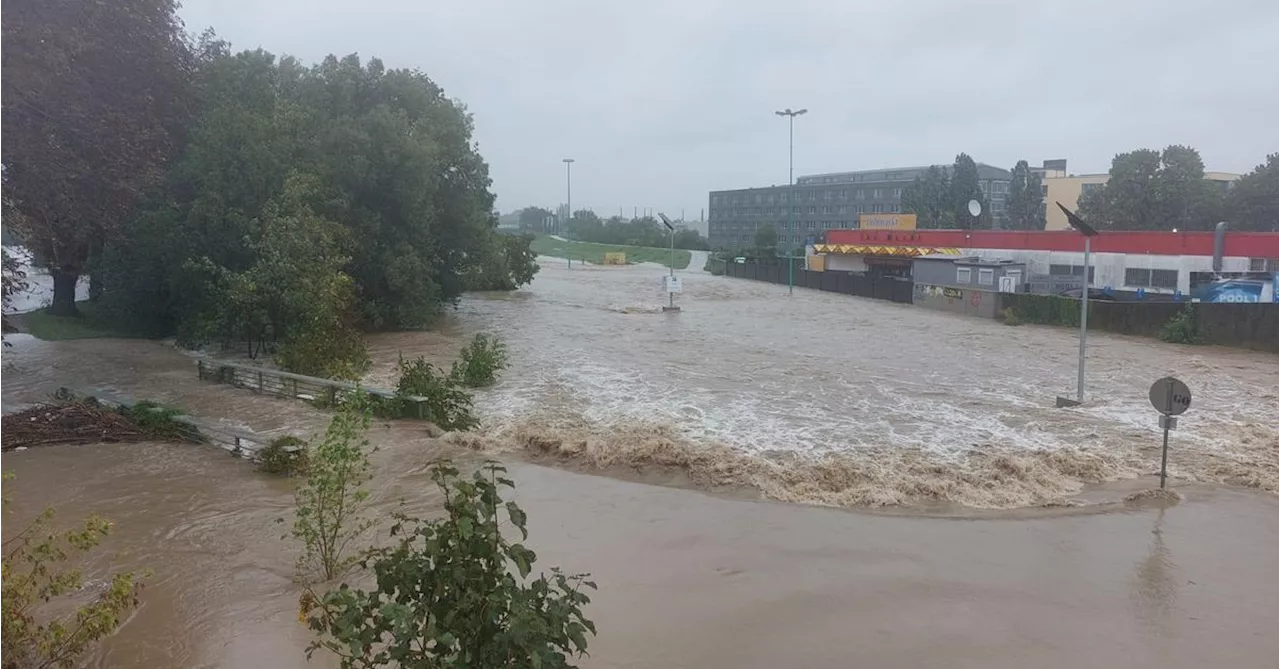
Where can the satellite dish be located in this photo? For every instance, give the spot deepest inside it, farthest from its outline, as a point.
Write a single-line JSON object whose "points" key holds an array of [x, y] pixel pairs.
{"points": [[975, 208]]}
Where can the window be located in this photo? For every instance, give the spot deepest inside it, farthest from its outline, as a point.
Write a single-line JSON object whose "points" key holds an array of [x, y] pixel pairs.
{"points": [[813, 209], [1262, 264], [842, 209], [897, 192], [1070, 270], [986, 276], [1139, 277], [962, 275], [859, 194], [1044, 190], [1164, 278], [844, 193], [829, 225], [875, 193], [812, 225], [828, 195], [782, 197]]}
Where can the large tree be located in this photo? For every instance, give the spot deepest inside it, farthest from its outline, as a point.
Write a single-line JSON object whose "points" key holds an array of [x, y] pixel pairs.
{"points": [[1024, 207], [93, 105], [1254, 201], [1155, 190], [962, 188], [926, 197], [533, 219]]}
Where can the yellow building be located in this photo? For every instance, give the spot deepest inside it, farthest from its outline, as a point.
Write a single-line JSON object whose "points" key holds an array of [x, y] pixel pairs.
{"points": [[1068, 188]]}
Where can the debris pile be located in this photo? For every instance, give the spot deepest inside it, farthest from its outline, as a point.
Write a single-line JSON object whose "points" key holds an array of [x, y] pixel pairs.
{"points": [[85, 421]]}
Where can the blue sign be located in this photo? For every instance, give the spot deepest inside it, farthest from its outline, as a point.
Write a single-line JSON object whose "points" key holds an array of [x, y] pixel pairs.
{"points": [[1232, 290]]}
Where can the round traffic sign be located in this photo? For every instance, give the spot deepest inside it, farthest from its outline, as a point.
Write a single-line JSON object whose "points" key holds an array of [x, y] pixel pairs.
{"points": [[1170, 396]]}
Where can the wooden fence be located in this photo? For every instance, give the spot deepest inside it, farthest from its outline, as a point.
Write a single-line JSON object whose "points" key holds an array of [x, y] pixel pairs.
{"points": [[240, 443], [298, 386]]}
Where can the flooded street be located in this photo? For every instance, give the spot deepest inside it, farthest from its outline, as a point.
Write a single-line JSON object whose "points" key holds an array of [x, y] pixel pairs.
{"points": [[815, 398]]}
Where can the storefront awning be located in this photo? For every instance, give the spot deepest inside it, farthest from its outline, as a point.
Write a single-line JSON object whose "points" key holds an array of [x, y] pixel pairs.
{"points": [[899, 251]]}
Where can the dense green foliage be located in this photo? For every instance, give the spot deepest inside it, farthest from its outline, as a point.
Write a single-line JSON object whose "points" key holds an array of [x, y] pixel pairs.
{"points": [[14, 283], [940, 198], [445, 403], [585, 226], [926, 197], [284, 456], [1253, 203], [1047, 310], [96, 99], [456, 592], [479, 362], [303, 205], [1024, 205], [594, 253], [1167, 190], [329, 504], [38, 570], [1183, 327]]}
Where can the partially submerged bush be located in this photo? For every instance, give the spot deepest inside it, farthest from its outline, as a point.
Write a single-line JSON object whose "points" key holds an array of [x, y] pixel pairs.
{"points": [[330, 502], [445, 403], [1011, 316], [35, 572], [1183, 328], [455, 592], [479, 362], [284, 456]]}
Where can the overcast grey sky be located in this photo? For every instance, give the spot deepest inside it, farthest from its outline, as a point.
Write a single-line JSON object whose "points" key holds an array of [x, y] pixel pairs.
{"points": [[661, 101]]}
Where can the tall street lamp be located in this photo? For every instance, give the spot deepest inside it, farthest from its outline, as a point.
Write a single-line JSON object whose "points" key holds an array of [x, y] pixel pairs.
{"points": [[791, 187], [568, 191], [1089, 233]]}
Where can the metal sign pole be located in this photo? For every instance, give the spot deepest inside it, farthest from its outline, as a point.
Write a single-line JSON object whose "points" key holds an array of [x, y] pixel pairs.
{"points": [[1084, 323], [1164, 454]]}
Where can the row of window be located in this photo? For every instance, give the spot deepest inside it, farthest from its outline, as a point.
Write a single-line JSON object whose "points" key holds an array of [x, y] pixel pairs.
{"points": [[749, 239], [806, 195], [785, 225], [870, 177], [1134, 277], [828, 209]]}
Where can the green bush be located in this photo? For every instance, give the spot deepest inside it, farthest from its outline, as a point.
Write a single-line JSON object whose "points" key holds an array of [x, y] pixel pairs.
{"points": [[1047, 309], [1183, 328], [1011, 316], [479, 362], [456, 592], [284, 456], [160, 422], [445, 403]]}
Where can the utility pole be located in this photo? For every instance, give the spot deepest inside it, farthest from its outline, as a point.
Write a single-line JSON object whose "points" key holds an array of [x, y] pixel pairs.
{"points": [[568, 191], [791, 188]]}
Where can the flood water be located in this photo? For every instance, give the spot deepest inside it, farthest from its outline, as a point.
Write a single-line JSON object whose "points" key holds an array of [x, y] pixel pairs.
{"points": [[746, 393]]}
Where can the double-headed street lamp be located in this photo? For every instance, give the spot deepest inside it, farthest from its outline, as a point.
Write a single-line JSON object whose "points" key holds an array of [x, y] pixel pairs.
{"points": [[791, 187]]}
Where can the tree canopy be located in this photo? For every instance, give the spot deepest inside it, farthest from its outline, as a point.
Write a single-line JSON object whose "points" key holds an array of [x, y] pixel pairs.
{"points": [[586, 226], [1166, 190], [95, 99], [1253, 203], [307, 203], [1024, 206]]}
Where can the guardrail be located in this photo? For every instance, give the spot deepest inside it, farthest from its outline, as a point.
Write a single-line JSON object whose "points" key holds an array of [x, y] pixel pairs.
{"points": [[240, 443], [298, 386]]}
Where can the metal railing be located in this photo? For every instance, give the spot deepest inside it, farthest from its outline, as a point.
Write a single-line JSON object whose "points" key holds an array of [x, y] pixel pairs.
{"points": [[298, 386]]}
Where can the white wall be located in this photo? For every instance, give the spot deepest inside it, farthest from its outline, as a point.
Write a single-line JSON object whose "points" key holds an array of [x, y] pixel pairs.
{"points": [[843, 263], [1109, 267]]}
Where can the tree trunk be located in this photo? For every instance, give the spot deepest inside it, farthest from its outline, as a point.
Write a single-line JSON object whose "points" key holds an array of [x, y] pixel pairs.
{"points": [[64, 293]]}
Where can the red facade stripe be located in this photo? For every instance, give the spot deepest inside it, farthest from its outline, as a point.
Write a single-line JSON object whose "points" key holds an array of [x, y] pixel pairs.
{"points": [[1239, 244]]}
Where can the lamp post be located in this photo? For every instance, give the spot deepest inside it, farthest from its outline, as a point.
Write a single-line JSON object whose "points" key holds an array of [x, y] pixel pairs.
{"points": [[1089, 233], [568, 191], [791, 187]]}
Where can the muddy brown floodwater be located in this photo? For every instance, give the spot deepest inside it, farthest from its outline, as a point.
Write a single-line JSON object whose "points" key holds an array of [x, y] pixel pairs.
{"points": [[747, 393]]}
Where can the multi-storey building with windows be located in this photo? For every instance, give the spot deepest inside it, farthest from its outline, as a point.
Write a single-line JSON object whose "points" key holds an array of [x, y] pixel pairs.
{"points": [[825, 202]]}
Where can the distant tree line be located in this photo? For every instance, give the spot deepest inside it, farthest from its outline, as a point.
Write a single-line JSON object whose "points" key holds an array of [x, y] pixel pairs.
{"points": [[241, 198], [586, 226]]}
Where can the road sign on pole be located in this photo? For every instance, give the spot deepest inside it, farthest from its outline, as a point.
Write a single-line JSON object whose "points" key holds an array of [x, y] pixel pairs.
{"points": [[1170, 397]]}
